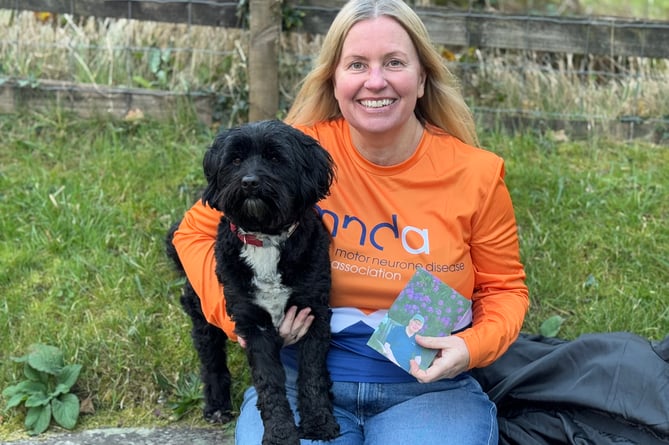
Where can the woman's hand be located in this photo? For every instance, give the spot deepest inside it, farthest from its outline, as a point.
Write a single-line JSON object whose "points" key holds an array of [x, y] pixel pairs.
{"points": [[293, 327], [451, 360]]}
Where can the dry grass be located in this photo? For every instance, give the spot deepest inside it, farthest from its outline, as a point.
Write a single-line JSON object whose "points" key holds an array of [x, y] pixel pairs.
{"points": [[113, 51], [131, 53], [594, 87], [205, 59]]}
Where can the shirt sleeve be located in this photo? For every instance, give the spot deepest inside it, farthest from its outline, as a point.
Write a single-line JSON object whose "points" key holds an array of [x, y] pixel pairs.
{"points": [[194, 242], [500, 299]]}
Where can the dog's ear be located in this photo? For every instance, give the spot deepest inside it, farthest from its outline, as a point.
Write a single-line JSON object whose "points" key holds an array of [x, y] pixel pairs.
{"points": [[211, 164], [320, 168]]}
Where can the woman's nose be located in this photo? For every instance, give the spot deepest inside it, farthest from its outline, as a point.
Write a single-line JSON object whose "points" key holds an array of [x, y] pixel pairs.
{"points": [[376, 79]]}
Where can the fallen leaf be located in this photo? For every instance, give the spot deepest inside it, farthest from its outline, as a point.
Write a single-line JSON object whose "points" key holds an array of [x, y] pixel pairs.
{"points": [[134, 115], [86, 406]]}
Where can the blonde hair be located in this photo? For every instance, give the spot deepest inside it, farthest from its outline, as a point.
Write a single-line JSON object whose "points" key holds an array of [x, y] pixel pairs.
{"points": [[442, 105]]}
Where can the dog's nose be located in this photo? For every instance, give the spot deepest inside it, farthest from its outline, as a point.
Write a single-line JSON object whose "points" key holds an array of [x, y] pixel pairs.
{"points": [[250, 182]]}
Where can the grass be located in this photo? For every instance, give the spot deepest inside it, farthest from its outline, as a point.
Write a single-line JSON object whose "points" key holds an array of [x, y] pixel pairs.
{"points": [[85, 205], [85, 208], [639, 9], [593, 233]]}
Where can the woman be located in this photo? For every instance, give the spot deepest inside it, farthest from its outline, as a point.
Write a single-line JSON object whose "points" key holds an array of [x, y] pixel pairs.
{"points": [[412, 191]]}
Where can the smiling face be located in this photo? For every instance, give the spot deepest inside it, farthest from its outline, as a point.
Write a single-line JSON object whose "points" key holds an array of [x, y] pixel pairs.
{"points": [[415, 325], [378, 78]]}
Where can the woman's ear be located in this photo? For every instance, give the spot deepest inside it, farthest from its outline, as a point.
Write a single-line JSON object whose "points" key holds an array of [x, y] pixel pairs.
{"points": [[421, 84]]}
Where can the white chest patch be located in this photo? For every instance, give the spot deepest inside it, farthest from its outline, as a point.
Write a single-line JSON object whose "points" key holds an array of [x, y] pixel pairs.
{"points": [[271, 295]]}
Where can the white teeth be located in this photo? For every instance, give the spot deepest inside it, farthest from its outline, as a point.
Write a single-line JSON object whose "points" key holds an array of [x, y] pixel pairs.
{"points": [[376, 103]]}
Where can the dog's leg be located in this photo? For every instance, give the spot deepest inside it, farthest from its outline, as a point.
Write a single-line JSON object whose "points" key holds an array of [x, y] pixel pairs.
{"points": [[210, 343], [269, 380], [215, 375], [314, 398]]}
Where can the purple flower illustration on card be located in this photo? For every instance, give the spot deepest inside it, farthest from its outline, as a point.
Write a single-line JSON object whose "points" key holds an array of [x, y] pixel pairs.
{"points": [[442, 308]]}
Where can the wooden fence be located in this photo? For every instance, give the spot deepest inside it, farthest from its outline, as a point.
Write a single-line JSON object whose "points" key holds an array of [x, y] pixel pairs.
{"points": [[599, 36], [605, 36]]}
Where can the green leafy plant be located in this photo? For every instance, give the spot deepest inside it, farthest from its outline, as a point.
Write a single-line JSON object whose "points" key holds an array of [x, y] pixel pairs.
{"points": [[551, 326], [187, 393], [291, 17], [46, 391], [160, 66]]}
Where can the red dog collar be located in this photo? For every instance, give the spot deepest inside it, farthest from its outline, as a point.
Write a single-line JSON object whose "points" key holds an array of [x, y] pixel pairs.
{"points": [[253, 240]]}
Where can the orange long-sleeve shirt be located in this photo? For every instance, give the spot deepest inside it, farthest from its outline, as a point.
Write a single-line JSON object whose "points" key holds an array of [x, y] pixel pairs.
{"points": [[446, 209]]}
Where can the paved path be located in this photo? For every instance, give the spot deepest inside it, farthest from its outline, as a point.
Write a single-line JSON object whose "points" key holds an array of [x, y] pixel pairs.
{"points": [[135, 436]]}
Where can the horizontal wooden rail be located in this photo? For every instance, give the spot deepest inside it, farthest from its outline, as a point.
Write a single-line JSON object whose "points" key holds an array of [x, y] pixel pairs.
{"points": [[601, 36], [195, 12]]}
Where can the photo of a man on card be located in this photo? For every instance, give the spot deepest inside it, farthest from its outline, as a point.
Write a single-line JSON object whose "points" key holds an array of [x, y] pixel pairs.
{"points": [[400, 345]]}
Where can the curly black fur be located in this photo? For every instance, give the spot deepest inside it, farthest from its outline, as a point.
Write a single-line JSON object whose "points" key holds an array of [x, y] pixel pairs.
{"points": [[266, 178], [210, 343]]}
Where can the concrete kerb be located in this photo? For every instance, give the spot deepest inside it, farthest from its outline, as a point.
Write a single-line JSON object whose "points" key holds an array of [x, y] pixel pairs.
{"points": [[135, 436]]}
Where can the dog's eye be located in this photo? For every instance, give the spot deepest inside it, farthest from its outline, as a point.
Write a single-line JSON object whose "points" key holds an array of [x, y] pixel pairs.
{"points": [[237, 161], [272, 157]]}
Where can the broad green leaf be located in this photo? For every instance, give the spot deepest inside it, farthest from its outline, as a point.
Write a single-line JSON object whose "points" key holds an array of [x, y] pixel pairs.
{"points": [[26, 387], [162, 77], [37, 399], [60, 389], [154, 60], [35, 375], [11, 391], [66, 378], [66, 410], [165, 55], [20, 359], [38, 419], [15, 400], [142, 82], [46, 358], [551, 326]]}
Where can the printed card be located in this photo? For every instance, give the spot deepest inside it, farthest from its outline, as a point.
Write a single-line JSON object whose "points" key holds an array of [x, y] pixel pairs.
{"points": [[425, 306]]}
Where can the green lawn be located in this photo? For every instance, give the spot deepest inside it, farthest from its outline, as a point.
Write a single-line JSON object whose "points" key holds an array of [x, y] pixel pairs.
{"points": [[84, 206]]}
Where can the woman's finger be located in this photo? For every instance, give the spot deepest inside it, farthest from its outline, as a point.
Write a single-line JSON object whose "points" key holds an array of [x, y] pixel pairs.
{"points": [[305, 326], [295, 325], [286, 327]]}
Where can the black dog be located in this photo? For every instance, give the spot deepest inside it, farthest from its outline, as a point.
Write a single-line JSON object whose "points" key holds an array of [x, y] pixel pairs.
{"points": [[272, 253]]}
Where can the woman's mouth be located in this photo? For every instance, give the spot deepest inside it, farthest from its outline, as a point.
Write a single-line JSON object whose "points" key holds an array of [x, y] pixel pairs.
{"points": [[377, 103]]}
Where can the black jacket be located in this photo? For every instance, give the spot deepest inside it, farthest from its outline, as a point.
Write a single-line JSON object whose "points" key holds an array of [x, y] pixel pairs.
{"points": [[599, 389]]}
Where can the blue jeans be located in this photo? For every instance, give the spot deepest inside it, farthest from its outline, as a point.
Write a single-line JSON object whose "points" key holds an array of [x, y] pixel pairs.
{"points": [[449, 412]]}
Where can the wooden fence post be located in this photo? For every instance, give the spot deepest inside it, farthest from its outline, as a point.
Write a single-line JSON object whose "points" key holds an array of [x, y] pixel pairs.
{"points": [[263, 69]]}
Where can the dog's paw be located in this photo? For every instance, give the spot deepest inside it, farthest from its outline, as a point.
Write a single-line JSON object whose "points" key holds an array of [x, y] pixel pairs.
{"points": [[281, 435], [218, 417], [319, 428]]}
